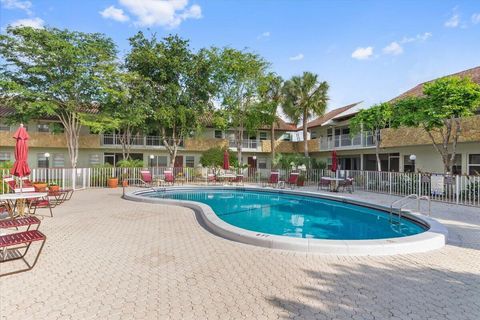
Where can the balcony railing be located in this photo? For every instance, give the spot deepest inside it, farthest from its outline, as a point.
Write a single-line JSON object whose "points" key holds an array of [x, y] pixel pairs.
{"points": [[246, 144], [346, 141], [135, 141]]}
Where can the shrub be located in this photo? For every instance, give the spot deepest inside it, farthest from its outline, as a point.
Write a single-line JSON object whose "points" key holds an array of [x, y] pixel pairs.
{"points": [[213, 157]]}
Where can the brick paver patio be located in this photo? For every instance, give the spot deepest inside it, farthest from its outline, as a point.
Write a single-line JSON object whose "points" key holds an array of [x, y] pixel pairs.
{"points": [[107, 258]]}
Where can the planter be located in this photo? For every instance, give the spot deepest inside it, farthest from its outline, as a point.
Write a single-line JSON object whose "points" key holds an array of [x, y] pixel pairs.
{"points": [[54, 188], [40, 187], [300, 183], [112, 182], [125, 183]]}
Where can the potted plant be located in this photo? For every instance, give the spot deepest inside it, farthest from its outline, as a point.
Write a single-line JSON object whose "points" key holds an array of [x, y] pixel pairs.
{"points": [[301, 179], [53, 186], [112, 182], [40, 186]]}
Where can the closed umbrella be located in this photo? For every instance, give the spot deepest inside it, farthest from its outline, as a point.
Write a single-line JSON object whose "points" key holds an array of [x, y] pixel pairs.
{"points": [[226, 160], [20, 167], [334, 161]]}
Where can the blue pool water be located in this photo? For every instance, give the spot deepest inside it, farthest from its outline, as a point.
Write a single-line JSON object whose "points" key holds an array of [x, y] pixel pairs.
{"points": [[296, 215]]}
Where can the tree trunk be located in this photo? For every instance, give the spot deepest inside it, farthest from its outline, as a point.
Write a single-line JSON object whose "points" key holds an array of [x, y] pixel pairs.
{"points": [[172, 149], [71, 124], [272, 144], [239, 141], [447, 158], [305, 133]]}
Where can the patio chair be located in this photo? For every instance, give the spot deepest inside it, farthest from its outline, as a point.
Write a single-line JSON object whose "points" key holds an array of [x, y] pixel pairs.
{"points": [[12, 244], [27, 186], [324, 184], [211, 178], [38, 203], [293, 179], [146, 178], [169, 177], [273, 179], [346, 184], [57, 196], [20, 222], [238, 179]]}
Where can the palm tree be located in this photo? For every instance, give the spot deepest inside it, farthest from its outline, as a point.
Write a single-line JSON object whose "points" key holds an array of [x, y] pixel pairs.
{"points": [[305, 97], [271, 96]]}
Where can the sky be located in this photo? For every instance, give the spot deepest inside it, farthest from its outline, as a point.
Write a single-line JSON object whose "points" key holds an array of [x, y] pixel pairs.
{"points": [[366, 50]]}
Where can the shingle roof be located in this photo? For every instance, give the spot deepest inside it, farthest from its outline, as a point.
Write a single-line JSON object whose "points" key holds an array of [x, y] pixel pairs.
{"points": [[328, 116], [473, 73]]}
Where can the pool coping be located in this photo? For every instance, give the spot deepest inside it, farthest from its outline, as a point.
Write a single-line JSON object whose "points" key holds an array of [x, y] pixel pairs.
{"points": [[434, 238]]}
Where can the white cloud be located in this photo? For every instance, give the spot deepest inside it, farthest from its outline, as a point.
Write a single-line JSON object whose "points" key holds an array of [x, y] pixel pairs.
{"points": [[393, 48], [17, 4], [167, 13], [419, 37], [362, 53], [36, 23], [476, 18], [265, 34], [453, 21], [114, 14], [297, 57]]}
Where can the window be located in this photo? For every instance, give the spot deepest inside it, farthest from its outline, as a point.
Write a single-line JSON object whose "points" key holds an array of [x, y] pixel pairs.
{"points": [[58, 160], [313, 135], [408, 165], [262, 163], [160, 161], [94, 159], [218, 134], [4, 127], [263, 135], [189, 161], [43, 127], [286, 137], [5, 156], [41, 160], [474, 164]]}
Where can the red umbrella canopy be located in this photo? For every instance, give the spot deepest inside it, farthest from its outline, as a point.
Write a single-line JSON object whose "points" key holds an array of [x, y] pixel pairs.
{"points": [[334, 161], [226, 160], [20, 167]]}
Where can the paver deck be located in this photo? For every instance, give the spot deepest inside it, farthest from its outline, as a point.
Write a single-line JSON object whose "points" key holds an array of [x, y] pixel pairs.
{"points": [[108, 258]]}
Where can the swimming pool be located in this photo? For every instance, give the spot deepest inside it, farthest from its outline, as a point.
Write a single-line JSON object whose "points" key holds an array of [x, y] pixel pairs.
{"points": [[297, 215], [301, 220]]}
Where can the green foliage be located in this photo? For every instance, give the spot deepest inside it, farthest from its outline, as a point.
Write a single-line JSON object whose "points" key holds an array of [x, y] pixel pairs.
{"points": [[377, 117], [6, 164], [130, 163], [213, 157], [103, 165]]}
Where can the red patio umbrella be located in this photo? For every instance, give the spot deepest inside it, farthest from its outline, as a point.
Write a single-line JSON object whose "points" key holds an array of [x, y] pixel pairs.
{"points": [[334, 161], [226, 160], [20, 167]]}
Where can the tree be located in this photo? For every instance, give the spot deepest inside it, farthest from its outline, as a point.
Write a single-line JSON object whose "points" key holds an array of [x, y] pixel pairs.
{"points": [[439, 111], [55, 72], [237, 76], [305, 97], [127, 107], [270, 97], [182, 85], [372, 120], [213, 157]]}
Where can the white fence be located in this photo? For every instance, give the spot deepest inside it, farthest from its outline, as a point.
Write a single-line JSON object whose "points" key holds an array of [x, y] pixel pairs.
{"points": [[453, 189]]}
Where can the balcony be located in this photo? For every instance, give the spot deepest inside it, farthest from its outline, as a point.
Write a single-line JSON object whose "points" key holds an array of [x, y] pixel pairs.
{"points": [[346, 141], [247, 144], [137, 141]]}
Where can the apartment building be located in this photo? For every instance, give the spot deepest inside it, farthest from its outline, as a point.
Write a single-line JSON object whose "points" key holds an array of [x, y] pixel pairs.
{"points": [[327, 133]]}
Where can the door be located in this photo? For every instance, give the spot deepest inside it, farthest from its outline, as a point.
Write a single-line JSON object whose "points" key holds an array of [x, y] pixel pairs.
{"points": [[252, 165], [178, 163]]}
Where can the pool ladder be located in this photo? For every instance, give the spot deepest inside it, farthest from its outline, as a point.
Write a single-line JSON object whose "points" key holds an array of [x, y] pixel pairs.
{"points": [[404, 201]]}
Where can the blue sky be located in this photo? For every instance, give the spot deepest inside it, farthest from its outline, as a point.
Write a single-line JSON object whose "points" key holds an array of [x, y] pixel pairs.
{"points": [[366, 50]]}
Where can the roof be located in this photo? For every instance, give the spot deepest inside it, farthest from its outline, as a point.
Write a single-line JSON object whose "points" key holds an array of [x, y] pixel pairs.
{"points": [[335, 113], [473, 73], [10, 111]]}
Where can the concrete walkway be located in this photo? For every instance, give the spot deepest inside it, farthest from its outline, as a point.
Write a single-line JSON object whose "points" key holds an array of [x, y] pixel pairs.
{"points": [[108, 258]]}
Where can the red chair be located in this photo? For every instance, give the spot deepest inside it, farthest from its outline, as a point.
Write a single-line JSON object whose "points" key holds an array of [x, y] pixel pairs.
{"points": [[147, 178], [238, 179], [11, 244], [293, 179], [346, 184], [169, 177], [27, 186], [211, 178], [273, 179], [38, 203], [20, 222], [324, 184]]}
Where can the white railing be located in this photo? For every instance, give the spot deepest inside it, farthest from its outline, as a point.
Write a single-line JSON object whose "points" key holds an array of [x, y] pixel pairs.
{"points": [[458, 189], [111, 139], [246, 143], [346, 141]]}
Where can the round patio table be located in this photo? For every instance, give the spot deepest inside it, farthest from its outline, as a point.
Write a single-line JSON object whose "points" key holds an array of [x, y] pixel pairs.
{"points": [[17, 200]]}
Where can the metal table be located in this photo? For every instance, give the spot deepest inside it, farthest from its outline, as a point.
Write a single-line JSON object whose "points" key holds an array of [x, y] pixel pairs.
{"points": [[17, 200]]}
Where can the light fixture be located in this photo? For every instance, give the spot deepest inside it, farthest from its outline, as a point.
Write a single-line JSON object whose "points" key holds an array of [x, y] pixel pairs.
{"points": [[413, 157], [47, 155], [152, 156], [254, 157]]}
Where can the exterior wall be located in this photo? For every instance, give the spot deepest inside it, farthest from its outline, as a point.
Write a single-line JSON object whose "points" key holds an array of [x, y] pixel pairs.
{"points": [[418, 136]]}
